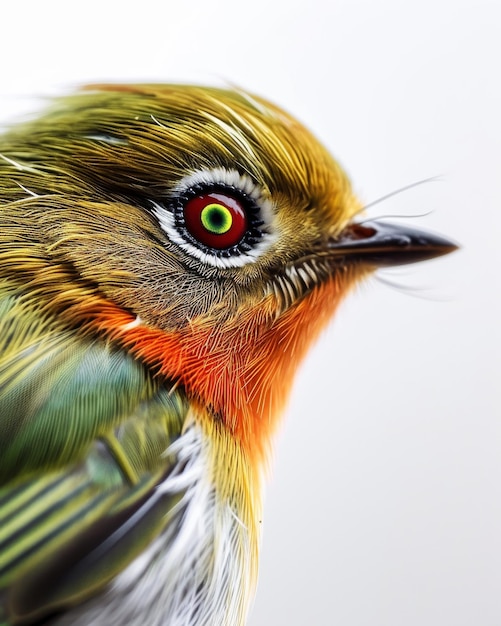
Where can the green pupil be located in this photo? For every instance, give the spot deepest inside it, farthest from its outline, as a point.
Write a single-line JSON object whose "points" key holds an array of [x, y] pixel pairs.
{"points": [[216, 218]]}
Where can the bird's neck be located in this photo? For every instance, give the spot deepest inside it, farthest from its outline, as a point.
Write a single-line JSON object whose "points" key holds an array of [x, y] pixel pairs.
{"points": [[240, 373]]}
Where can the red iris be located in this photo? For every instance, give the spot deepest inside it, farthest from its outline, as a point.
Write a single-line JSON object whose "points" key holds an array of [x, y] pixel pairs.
{"points": [[215, 220]]}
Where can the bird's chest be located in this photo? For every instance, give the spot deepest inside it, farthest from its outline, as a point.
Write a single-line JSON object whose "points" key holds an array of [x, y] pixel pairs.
{"points": [[201, 570]]}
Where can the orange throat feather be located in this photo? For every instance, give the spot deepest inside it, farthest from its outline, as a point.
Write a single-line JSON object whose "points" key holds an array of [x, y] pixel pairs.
{"points": [[240, 372]]}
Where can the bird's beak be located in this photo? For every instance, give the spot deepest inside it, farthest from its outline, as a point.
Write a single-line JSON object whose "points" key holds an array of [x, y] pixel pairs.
{"points": [[384, 245]]}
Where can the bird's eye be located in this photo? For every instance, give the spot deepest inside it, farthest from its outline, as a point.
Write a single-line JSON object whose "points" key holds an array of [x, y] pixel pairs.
{"points": [[216, 220], [221, 217]]}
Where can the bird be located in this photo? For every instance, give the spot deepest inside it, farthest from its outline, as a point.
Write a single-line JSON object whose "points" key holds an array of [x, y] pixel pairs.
{"points": [[168, 255]]}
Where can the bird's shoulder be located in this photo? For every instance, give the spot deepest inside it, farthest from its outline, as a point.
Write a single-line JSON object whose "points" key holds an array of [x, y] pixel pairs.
{"points": [[86, 441]]}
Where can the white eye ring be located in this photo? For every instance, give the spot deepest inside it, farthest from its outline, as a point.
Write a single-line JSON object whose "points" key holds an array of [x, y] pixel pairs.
{"points": [[220, 258]]}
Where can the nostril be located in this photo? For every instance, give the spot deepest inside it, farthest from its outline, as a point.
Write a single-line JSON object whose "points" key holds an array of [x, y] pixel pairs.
{"points": [[358, 231]]}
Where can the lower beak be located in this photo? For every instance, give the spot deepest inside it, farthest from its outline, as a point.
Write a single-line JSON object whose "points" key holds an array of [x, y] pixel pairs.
{"points": [[384, 245]]}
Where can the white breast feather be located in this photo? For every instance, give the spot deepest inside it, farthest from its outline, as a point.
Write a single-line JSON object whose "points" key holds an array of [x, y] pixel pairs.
{"points": [[201, 576]]}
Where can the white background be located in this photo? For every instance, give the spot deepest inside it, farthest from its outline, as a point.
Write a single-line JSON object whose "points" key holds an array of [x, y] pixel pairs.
{"points": [[384, 507]]}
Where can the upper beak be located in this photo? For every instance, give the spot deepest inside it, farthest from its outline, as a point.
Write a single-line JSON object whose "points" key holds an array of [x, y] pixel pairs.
{"points": [[383, 244]]}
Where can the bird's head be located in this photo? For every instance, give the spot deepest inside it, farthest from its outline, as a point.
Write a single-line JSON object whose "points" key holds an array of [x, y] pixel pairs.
{"points": [[205, 230]]}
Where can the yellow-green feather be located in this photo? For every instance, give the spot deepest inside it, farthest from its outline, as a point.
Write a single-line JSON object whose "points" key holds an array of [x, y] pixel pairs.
{"points": [[83, 434]]}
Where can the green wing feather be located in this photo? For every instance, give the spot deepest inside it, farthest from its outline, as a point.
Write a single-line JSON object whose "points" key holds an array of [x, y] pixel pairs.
{"points": [[83, 434]]}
